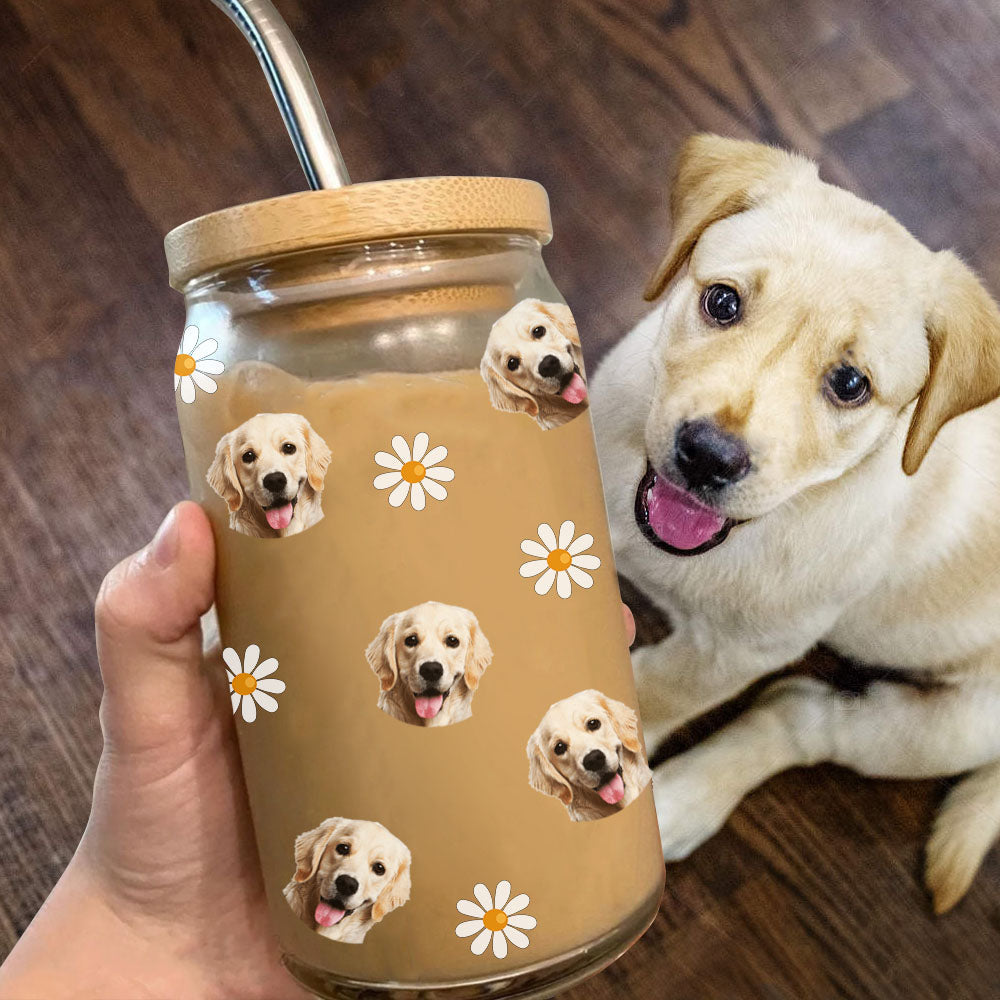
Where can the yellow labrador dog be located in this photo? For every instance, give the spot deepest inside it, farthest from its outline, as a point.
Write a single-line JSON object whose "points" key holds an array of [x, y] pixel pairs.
{"points": [[532, 363], [349, 873], [797, 448], [429, 660], [270, 471], [586, 752]]}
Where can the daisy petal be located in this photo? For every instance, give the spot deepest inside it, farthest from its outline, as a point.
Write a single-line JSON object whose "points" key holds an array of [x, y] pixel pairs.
{"points": [[479, 945], [401, 448], [518, 903], [532, 567], [187, 389], [236, 701], [502, 894], [548, 537], [566, 530], [177, 379], [249, 707], [387, 461], [398, 495], [232, 659], [417, 499], [532, 548], [386, 479], [420, 443], [469, 927], [204, 349], [436, 490], [271, 684], [564, 586], [586, 562], [580, 578], [265, 701], [482, 895], [544, 583], [470, 909], [435, 455], [441, 473], [250, 658], [204, 382], [522, 920], [266, 667], [499, 944], [515, 937], [582, 543], [211, 366], [189, 340]]}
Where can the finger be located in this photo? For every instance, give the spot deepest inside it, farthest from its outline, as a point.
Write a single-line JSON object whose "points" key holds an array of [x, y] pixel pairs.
{"points": [[149, 635], [629, 623]]}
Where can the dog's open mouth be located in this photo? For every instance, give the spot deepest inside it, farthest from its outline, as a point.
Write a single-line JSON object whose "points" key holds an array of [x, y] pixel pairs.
{"points": [[330, 912], [429, 703], [573, 388], [675, 520], [612, 790], [279, 515]]}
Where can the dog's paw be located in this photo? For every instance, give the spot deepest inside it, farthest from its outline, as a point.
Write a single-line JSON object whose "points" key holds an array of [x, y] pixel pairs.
{"points": [[688, 807]]}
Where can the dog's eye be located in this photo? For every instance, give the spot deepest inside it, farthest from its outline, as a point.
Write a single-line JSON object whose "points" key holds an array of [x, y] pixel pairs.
{"points": [[538, 332], [378, 868], [721, 303], [513, 364], [411, 640], [288, 448], [452, 640], [848, 386], [249, 457], [560, 748], [344, 849], [593, 724]]}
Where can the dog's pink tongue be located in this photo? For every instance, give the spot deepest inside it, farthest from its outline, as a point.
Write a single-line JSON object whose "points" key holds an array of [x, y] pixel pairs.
{"points": [[678, 518], [614, 791], [428, 705], [327, 915], [279, 517], [575, 391]]}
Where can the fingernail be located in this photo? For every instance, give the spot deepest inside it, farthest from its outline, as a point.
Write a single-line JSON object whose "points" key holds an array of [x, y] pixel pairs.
{"points": [[166, 540]]}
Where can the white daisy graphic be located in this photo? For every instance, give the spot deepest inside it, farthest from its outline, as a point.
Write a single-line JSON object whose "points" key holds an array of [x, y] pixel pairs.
{"points": [[415, 473], [498, 919], [193, 365], [559, 560], [250, 682]]}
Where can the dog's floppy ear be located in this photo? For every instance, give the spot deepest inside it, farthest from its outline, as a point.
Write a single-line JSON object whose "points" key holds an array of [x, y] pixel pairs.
{"points": [[714, 178], [222, 475], [395, 894], [504, 395], [561, 315], [963, 332], [625, 722], [478, 656], [381, 654], [317, 456], [542, 775], [309, 847]]}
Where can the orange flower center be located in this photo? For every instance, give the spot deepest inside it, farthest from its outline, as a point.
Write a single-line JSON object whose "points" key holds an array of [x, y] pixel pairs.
{"points": [[559, 559], [184, 364], [244, 683], [495, 920], [413, 472]]}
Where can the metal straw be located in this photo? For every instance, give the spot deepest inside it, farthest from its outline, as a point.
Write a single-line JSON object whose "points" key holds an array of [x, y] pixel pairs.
{"points": [[294, 89]]}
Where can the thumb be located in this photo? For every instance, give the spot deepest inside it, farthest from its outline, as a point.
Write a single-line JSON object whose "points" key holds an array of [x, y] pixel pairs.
{"points": [[149, 636]]}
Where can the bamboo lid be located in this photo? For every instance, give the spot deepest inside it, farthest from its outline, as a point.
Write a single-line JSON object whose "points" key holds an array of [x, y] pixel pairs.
{"points": [[358, 213]]}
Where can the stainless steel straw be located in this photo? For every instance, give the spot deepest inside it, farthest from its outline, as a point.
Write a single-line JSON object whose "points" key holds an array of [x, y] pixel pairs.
{"points": [[294, 89]]}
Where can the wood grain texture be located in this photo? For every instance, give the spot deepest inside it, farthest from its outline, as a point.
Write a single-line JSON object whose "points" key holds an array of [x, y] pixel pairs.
{"points": [[121, 121]]}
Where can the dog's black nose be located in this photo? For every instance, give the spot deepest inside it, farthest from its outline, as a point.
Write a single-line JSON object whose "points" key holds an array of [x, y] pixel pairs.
{"points": [[275, 482], [594, 761], [706, 455], [431, 671], [549, 366], [347, 885]]}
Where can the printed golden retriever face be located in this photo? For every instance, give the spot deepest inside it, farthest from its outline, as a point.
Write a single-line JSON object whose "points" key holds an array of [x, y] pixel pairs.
{"points": [[270, 471], [349, 873], [587, 752], [429, 660], [533, 364]]}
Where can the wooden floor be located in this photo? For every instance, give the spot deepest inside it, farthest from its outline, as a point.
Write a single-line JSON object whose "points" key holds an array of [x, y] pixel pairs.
{"points": [[118, 121]]}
